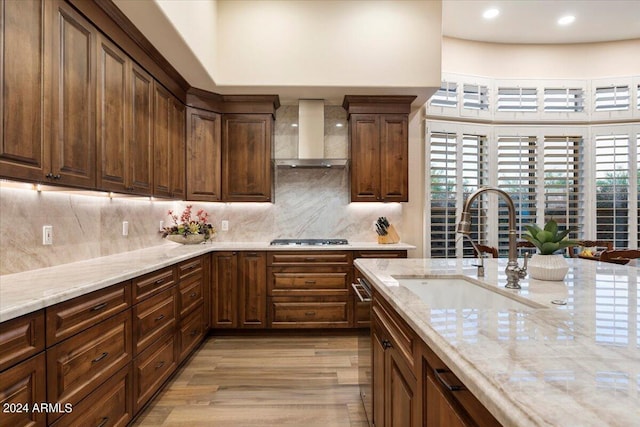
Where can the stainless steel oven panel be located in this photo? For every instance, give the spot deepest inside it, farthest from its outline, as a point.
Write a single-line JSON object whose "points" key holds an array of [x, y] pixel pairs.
{"points": [[363, 292]]}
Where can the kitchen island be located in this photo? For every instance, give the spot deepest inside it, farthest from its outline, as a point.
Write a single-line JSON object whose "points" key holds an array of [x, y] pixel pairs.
{"points": [[574, 364]]}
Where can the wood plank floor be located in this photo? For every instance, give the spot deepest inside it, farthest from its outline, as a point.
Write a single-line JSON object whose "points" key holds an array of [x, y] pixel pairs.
{"points": [[304, 381]]}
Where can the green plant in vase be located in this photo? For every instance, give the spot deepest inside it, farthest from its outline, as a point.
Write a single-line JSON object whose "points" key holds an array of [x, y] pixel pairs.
{"points": [[548, 265]]}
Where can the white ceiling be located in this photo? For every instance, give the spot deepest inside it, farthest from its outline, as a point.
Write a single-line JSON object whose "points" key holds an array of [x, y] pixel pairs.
{"points": [[534, 21]]}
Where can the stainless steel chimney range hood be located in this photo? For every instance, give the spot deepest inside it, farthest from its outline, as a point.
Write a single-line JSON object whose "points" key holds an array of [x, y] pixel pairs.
{"points": [[311, 152]]}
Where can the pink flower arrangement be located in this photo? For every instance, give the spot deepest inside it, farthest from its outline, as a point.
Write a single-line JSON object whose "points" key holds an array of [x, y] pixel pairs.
{"points": [[185, 224]]}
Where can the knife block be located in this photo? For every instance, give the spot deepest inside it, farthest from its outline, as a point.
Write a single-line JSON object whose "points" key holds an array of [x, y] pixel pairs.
{"points": [[390, 237]]}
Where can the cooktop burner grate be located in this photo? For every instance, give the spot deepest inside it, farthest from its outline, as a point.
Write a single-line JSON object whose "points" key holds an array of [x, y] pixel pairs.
{"points": [[308, 242]]}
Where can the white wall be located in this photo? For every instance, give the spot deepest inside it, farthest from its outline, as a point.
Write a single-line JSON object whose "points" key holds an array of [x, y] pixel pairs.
{"points": [[568, 61]]}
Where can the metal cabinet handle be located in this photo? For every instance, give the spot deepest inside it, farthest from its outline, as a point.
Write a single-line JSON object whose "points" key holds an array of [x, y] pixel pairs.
{"points": [[309, 282], [386, 344], [194, 332], [99, 306], [160, 365], [193, 295], [157, 282], [159, 318], [103, 422], [310, 313], [99, 358], [310, 259], [447, 379], [360, 290]]}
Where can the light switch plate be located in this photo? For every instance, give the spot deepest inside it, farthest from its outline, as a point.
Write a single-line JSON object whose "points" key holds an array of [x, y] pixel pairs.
{"points": [[125, 228], [225, 225], [47, 234]]}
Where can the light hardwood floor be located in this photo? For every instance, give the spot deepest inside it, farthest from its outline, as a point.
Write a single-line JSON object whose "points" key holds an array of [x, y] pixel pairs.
{"points": [[307, 381]]}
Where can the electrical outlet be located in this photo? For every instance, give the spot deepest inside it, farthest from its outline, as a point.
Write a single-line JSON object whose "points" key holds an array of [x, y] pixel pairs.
{"points": [[224, 225], [161, 226], [47, 234], [125, 228]]}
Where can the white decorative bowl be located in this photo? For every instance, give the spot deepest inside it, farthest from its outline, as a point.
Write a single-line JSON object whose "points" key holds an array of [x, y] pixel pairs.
{"points": [[189, 239], [548, 267]]}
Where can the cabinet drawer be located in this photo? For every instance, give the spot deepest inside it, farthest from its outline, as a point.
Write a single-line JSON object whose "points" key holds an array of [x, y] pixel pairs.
{"points": [[153, 318], [309, 258], [309, 283], [20, 338], [24, 384], [191, 332], [109, 405], [152, 368], [307, 312], [76, 366], [73, 316], [380, 254], [190, 294], [193, 267], [152, 283], [402, 336]]}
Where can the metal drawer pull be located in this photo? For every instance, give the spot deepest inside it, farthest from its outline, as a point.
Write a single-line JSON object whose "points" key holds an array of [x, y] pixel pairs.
{"points": [[159, 318], [359, 290], [447, 379], [310, 282], [157, 282], [386, 344], [103, 422], [310, 259], [99, 358], [99, 306], [310, 313], [194, 332], [160, 365], [193, 295]]}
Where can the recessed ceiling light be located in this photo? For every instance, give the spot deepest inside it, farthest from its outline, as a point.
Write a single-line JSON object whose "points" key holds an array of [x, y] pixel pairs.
{"points": [[294, 125], [490, 13], [566, 20]]}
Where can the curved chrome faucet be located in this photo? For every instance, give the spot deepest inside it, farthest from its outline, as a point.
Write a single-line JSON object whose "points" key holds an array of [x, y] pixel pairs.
{"points": [[514, 271]]}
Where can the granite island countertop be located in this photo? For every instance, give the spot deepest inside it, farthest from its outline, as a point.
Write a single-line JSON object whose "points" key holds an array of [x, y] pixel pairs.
{"points": [[26, 292], [560, 365]]}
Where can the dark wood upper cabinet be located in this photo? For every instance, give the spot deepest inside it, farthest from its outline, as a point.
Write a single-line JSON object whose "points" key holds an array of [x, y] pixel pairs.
{"points": [[203, 155], [169, 144], [379, 144], [246, 157], [113, 117], [141, 136], [73, 98], [24, 77]]}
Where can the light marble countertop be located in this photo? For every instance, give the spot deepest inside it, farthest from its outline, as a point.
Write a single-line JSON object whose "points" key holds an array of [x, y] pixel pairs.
{"points": [[561, 365], [25, 292]]}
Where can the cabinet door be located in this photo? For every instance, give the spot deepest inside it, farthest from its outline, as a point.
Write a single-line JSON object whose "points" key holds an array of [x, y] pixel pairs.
{"points": [[113, 87], [394, 155], [161, 140], [73, 98], [439, 411], [177, 149], [24, 384], [365, 157], [203, 155], [24, 77], [378, 377], [141, 137], [402, 406], [246, 157], [253, 289], [224, 308]]}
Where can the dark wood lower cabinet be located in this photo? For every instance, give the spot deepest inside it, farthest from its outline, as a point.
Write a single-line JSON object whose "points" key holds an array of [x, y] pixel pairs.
{"points": [[21, 387], [152, 368], [110, 405]]}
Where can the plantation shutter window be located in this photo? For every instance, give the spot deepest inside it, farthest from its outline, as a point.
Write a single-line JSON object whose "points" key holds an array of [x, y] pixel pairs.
{"points": [[517, 176], [443, 173], [446, 96], [517, 99], [475, 170], [612, 98], [562, 100], [563, 189], [475, 97], [612, 189]]}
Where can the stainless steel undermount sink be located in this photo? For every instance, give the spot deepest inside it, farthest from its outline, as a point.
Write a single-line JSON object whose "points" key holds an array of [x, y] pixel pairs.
{"points": [[459, 293]]}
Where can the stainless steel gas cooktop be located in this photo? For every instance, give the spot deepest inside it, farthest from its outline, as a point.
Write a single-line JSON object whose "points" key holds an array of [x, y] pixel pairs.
{"points": [[308, 242]]}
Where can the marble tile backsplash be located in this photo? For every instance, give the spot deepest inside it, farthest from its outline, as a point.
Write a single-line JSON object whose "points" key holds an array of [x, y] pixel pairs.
{"points": [[308, 203]]}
